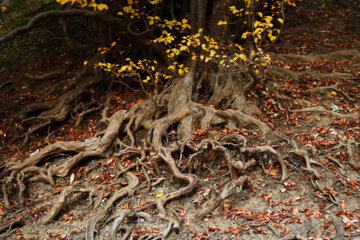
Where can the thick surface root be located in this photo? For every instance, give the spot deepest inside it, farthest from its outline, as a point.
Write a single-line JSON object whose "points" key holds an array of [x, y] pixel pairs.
{"points": [[161, 148]]}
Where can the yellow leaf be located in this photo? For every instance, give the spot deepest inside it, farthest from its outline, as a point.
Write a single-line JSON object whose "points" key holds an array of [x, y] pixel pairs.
{"points": [[256, 24], [122, 69], [244, 35], [159, 194], [243, 57], [183, 48], [268, 19], [180, 71], [113, 44], [102, 6], [260, 14], [146, 79], [85, 62], [280, 20], [233, 9], [222, 23], [3, 9]]}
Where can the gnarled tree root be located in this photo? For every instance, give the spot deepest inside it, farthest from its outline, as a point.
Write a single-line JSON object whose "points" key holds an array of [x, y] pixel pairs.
{"points": [[174, 223], [351, 54], [61, 200], [60, 109], [323, 110], [336, 87], [308, 166], [339, 228], [299, 233], [165, 155], [128, 190], [229, 189], [121, 217]]}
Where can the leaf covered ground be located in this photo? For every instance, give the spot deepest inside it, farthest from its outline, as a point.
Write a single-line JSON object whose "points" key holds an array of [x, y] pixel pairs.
{"points": [[314, 105]]}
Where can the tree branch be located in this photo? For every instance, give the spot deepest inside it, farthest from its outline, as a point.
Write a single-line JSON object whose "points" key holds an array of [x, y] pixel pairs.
{"points": [[61, 13]]}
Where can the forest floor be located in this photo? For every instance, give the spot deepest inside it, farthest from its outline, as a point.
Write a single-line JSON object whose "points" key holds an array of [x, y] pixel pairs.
{"points": [[322, 74]]}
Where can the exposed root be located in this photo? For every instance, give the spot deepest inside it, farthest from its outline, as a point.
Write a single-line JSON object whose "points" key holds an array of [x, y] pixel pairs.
{"points": [[49, 75], [35, 128], [331, 197], [308, 166], [121, 217], [19, 181], [299, 233], [269, 149], [90, 228], [4, 84], [60, 109], [327, 89], [83, 114], [241, 118], [165, 155], [5, 192], [120, 139], [229, 189], [128, 230], [61, 200], [323, 110], [128, 190], [351, 147], [174, 223], [138, 162], [281, 72], [104, 113], [8, 226], [335, 161], [93, 148], [350, 54], [339, 228]]}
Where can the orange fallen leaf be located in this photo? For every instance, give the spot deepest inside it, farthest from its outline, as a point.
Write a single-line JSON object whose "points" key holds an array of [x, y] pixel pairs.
{"points": [[273, 171]]}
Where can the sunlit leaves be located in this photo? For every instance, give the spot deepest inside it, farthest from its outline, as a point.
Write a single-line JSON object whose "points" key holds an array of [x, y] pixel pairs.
{"points": [[236, 11], [260, 25], [131, 12], [85, 3], [146, 79], [101, 6], [153, 2]]}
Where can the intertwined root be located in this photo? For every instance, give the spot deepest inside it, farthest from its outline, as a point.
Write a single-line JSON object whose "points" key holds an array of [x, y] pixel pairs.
{"points": [[119, 140]]}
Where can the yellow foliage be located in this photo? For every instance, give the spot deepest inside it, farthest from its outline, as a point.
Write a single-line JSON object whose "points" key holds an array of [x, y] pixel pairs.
{"points": [[146, 79]]}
